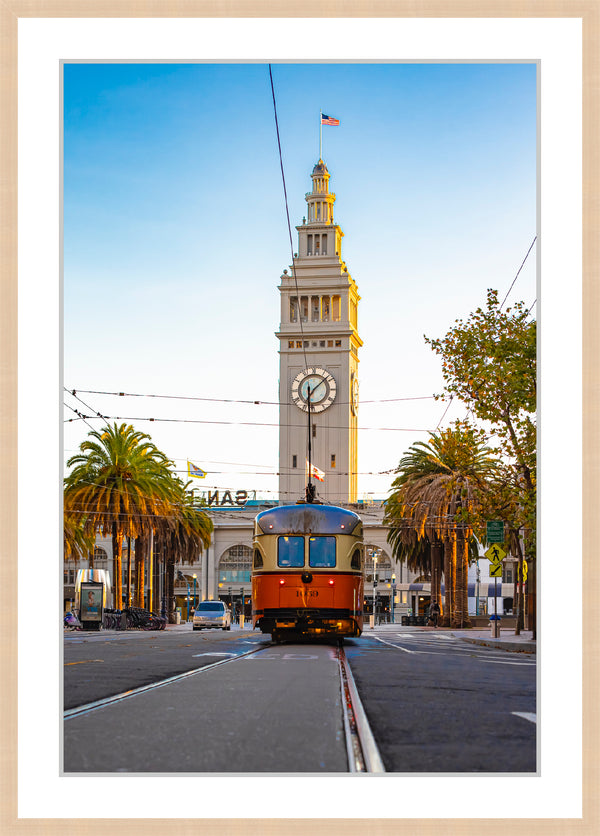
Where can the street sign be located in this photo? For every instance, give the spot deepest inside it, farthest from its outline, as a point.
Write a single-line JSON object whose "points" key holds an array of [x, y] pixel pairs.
{"points": [[495, 554], [495, 531], [496, 570]]}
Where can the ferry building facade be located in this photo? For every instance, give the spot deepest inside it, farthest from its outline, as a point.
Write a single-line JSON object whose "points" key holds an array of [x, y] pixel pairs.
{"points": [[318, 350]]}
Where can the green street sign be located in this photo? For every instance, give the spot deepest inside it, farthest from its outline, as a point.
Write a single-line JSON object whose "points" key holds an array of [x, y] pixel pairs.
{"points": [[495, 531]]}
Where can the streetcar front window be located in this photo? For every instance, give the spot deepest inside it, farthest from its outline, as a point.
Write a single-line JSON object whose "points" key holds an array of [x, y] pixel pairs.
{"points": [[290, 552], [321, 552]]}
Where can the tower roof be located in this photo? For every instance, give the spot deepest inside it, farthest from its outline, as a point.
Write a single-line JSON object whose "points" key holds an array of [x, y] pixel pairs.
{"points": [[320, 168]]}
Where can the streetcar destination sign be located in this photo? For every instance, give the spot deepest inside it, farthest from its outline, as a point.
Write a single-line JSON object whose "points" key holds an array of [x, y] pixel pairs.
{"points": [[495, 531]]}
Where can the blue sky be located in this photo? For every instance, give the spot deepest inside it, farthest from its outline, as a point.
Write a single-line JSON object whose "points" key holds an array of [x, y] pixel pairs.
{"points": [[175, 236]]}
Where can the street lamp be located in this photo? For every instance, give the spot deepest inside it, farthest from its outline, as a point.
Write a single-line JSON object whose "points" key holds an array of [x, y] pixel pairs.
{"points": [[194, 577], [393, 595], [374, 586]]}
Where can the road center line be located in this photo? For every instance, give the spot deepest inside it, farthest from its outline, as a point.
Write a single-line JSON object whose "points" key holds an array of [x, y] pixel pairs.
{"points": [[83, 662]]}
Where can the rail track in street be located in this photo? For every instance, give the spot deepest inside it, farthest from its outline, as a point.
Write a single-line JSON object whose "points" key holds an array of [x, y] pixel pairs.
{"points": [[281, 708]]}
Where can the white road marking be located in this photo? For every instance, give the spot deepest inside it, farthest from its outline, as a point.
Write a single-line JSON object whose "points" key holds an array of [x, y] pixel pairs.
{"points": [[526, 663], [397, 646], [298, 656], [213, 654], [526, 715]]}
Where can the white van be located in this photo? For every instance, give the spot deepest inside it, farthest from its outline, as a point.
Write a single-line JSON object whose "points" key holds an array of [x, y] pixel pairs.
{"points": [[212, 614]]}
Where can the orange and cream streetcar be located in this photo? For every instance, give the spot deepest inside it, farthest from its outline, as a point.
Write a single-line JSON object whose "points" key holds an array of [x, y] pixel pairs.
{"points": [[307, 572]]}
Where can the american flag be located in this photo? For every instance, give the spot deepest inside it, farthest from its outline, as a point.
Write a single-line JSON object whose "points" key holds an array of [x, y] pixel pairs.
{"points": [[329, 120]]}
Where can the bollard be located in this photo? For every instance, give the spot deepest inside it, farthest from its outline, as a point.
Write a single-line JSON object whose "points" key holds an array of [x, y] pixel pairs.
{"points": [[372, 622]]}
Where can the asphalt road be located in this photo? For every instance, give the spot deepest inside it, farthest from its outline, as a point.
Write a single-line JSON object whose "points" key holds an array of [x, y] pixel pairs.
{"points": [[276, 711], [438, 704], [435, 704], [98, 665]]}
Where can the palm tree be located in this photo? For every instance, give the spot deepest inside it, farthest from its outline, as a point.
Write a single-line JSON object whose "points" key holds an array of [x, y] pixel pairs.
{"points": [[182, 536], [435, 498], [78, 540], [120, 481]]}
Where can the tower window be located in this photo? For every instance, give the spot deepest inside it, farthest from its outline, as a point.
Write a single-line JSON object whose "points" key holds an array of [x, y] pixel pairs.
{"points": [[335, 309], [325, 309], [324, 245], [338, 343], [294, 461], [290, 343], [304, 308], [294, 309], [322, 343], [298, 343], [314, 430], [314, 308], [309, 244], [329, 343], [333, 461]]}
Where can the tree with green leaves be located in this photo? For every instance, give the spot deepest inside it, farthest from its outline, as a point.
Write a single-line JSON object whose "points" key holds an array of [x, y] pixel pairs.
{"points": [[435, 502], [489, 363], [120, 484], [182, 536]]}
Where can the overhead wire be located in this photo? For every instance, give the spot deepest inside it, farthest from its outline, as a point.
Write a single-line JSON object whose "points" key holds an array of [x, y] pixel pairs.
{"points": [[236, 400], [242, 423], [518, 271], [287, 211]]}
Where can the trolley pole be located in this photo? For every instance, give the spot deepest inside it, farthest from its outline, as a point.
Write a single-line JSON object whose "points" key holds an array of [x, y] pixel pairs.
{"points": [[310, 488]]}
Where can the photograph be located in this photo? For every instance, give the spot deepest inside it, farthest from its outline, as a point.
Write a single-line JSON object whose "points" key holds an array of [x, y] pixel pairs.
{"points": [[300, 395]]}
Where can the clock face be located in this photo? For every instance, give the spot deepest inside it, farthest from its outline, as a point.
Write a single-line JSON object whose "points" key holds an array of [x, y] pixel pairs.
{"points": [[319, 384]]}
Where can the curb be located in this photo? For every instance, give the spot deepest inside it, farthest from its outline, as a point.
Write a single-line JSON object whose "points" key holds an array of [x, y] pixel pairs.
{"points": [[512, 647]]}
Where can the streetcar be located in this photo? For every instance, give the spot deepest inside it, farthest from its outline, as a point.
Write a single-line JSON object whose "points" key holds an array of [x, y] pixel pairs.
{"points": [[308, 572]]}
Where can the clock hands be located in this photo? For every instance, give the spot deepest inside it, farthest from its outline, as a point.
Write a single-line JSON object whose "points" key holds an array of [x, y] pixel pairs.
{"points": [[311, 392]]}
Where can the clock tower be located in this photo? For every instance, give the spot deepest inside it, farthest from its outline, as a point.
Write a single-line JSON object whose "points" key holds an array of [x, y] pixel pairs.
{"points": [[318, 351]]}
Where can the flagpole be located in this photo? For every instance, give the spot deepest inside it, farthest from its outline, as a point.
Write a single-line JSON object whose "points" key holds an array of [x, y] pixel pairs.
{"points": [[320, 134]]}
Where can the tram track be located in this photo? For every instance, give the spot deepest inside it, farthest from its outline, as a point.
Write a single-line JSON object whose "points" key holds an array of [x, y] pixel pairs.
{"points": [[142, 689], [362, 755]]}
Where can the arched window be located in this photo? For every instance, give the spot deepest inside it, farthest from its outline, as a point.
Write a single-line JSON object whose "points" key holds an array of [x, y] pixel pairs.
{"points": [[101, 557], [235, 565]]}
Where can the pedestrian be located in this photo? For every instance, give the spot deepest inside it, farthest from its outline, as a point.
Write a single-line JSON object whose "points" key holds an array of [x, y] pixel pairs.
{"points": [[434, 613]]}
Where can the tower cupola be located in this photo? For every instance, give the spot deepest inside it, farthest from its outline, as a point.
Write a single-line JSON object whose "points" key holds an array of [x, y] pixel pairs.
{"points": [[320, 201]]}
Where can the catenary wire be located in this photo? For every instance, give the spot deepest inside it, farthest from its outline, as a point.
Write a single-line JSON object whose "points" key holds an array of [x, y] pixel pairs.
{"points": [[287, 211], [518, 271], [240, 423], [235, 400]]}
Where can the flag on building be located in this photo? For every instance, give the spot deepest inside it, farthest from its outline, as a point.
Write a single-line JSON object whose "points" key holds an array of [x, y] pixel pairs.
{"points": [[315, 472], [329, 120], [197, 472]]}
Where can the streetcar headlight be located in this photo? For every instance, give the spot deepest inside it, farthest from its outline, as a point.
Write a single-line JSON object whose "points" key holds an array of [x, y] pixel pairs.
{"points": [[281, 581], [331, 581]]}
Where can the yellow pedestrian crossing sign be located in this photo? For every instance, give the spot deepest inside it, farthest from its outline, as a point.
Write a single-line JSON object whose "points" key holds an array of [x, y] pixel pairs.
{"points": [[496, 570], [495, 554]]}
